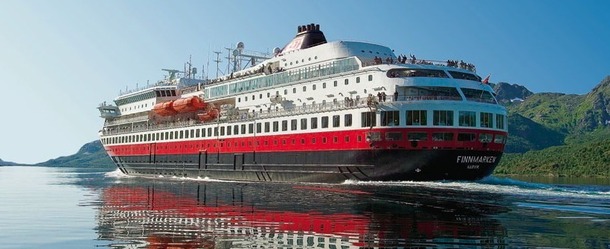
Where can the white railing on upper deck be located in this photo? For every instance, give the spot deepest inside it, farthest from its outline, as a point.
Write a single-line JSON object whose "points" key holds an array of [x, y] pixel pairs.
{"points": [[448, 63]]}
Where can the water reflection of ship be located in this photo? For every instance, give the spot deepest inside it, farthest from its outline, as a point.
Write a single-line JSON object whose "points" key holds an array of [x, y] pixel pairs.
{"points": [[226, 215]]}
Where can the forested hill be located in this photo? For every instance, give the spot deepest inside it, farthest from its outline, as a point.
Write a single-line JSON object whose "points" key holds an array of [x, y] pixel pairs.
{"points": [[556, 133]]}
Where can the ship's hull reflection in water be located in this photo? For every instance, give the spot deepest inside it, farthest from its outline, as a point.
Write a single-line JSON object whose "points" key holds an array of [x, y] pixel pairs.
{"points": [[169, 214]]}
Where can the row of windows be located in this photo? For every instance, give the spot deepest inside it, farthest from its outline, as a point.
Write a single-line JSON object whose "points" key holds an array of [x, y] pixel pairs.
{"points": [[313, 88], [147, 95], [431, 73], [368, 119], [389, 136], [266, 127], [439, 118], [331, 68], [302, 61]]}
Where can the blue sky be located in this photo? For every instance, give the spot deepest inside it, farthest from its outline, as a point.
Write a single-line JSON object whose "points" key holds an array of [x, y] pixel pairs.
{"points": [[60, 59]]}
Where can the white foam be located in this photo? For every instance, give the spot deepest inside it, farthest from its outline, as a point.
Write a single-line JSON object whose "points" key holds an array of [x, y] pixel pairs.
{"points": [[499, 186], [117, 174]]}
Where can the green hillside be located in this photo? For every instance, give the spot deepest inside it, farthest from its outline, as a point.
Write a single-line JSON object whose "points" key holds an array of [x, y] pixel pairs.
{"points": [[559, 134]]}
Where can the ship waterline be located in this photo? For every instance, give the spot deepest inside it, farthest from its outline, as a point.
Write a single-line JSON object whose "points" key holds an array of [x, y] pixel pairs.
{"points": [[323, 112]]}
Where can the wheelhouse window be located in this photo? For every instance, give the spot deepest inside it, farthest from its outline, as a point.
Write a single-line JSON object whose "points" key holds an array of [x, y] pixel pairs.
{"points": [[417, 117], [487, 119], [443, 118], [368, 119], [400, 73], [468, 119], [409, 93], [464, 76], [478, 95], [390, 118]]}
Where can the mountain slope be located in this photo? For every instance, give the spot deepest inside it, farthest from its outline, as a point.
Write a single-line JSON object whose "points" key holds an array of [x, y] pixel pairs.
{"points": [[6, 163], [91, 154]]}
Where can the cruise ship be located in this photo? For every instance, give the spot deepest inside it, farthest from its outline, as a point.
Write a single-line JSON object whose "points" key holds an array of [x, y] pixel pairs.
{"points": [[312, 111]]}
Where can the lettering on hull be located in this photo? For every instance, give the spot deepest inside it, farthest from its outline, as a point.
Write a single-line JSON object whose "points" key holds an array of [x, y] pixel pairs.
{"points": [[476, 159]]}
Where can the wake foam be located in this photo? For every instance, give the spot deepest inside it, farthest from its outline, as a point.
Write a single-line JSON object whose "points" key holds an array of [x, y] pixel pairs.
{"points": [[507, 186]]}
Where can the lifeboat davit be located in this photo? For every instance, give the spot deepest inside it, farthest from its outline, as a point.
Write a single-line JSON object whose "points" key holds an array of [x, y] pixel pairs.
{"points": [[208, 115], [164, 108], [189, 104]]}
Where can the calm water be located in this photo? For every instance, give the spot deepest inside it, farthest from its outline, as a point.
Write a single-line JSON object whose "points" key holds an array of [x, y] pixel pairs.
{"points": [[74, 208]]}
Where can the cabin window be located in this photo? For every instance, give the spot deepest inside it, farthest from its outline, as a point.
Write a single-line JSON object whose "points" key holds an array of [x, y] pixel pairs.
{"points": [[468, 119], [357, 79], [417, 136], [442, 118], [348, 120], [222, 130], [325, 122], [368, 119], [466, 137], [478, 95], [487, 119], [417, 117], [284, 125], [485, 138], [336, 120], [314, 123], [215, 131], [294, 90], [236, 129], [303, 124], [370, 77], [346, 81], [243, 129], [393, 136], [293, 125], [313, 87], [500, 121], [324, 85], [442, 136], [499, 139], [229, 130], [210, 132], [197, 133], [267, 129], [335, 83], [259, 128], [390, 118], [304, 88], [276, 126]]}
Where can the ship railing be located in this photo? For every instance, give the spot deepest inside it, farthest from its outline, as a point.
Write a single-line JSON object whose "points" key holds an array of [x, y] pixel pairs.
{"points": [[448, 63], [141, 124]]}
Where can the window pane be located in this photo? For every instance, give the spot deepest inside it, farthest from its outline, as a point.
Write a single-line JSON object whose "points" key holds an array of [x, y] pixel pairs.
{"points": [[468, 119]]}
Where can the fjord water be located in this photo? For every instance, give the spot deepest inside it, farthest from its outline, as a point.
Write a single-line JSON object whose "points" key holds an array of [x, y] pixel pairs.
{"points": [[82, 208]]}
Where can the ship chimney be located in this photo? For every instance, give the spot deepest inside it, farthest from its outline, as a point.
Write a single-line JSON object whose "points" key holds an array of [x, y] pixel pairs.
{"points": [[308, 36]]}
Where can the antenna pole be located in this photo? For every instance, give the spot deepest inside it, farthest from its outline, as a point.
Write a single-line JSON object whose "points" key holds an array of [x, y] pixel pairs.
{"points": [[217, 62]]}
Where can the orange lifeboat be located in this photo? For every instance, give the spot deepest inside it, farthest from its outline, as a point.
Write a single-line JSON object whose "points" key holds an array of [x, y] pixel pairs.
{"points": [[164, 108], [189, 104], [209, 115]]}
